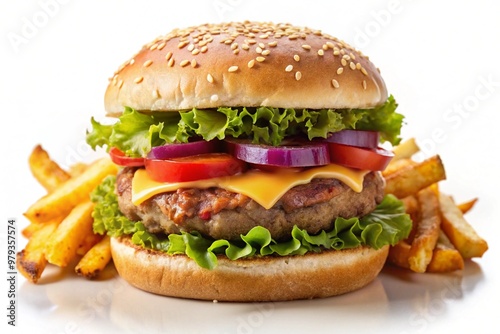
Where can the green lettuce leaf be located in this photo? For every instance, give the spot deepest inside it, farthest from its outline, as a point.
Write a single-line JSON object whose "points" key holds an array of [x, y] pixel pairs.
{"points": [[135, 133], [386, 225]]}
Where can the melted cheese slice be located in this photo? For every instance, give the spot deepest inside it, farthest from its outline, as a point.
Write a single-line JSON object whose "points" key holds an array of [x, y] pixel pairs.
{"points": [[265, 188]]}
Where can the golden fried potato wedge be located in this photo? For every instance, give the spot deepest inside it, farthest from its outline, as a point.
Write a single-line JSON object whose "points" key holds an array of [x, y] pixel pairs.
{"points": [[467, 206], [427, 230], [62, 245], [72, 192], [399, 254], [31, 260], [46, 171], [405, 150], [95, 260], [461, 234], [408, 181], [445, 258], [87, 243]]}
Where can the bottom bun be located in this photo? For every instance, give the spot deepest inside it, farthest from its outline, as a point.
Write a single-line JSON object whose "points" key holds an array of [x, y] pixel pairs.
{"points": [[269, 278]]}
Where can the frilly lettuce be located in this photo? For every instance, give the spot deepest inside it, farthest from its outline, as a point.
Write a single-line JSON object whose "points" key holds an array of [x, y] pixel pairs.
{"points": [[135, 133], [386, 225]]}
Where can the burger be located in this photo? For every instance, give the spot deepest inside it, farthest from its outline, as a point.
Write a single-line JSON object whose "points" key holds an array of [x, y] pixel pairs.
{"points": [[251, 157]]}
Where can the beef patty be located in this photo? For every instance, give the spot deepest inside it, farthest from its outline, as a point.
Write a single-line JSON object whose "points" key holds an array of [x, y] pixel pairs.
{"points": [[221, 214]]}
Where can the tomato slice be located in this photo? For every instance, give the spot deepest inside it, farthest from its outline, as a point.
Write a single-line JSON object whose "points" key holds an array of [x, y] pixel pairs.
{"points": [[375, 159], [192, 168], [119, 158]]}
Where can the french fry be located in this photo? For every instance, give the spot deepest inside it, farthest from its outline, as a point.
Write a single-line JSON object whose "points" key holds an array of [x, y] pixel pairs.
{"points": [[397, 166], [461, 234], [46, 171], [77, 169], [63, 243], [31, 260], [445, 258], [411, 204], [95, 260], [76, 190], [467, 206], [29, 230], [87, 243], [405, 150], [399, 254], [427, 231], [409, 181]]}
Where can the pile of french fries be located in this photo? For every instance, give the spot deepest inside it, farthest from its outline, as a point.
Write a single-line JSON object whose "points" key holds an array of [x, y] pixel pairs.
{"points": [[441, 238], [60, 230]]}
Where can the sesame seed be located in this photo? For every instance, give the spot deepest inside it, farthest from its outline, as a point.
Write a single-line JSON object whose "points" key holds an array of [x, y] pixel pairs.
{"points": [[340, 70], [184, 62], [262, 45], [234, 46], [153, 47], [321, 52], [260, 59], [358, 66], [232, 68], [155, 94], [364, 84], [120, 84], [168, 55], [195, 52], [289, 68], [306, 47], [161, 46], [266, 52], [298, 75], [336, 52], [325, 47], [210, 78], [296, 57], [171, 62], [194, 63], [264, 36], [335, 83], [138, 80], [251, 41], [182, 44], [293, 36], [258, 49], [214, 98], [352, 65], [273, 43], [147, 63], [190, 47], [352, 56], [251, 63], [204, 49], [236, 51], [245, 47], [343, 62], [330, 45], [132, 61], [364, 71]]}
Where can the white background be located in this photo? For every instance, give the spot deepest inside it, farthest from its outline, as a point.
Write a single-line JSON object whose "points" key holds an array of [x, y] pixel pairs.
{"points": [[440, 61]]}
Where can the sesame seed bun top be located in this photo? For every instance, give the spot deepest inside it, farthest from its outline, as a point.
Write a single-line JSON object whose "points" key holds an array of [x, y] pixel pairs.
{"points": [[245, 64]]}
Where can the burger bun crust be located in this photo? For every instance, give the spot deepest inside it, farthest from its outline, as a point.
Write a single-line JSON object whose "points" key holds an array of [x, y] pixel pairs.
{"points": [[248, 64], [268, 278]]}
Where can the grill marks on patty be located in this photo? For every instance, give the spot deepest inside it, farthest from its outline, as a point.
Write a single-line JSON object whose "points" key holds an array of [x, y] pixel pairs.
{"points": [[221, 214]]}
